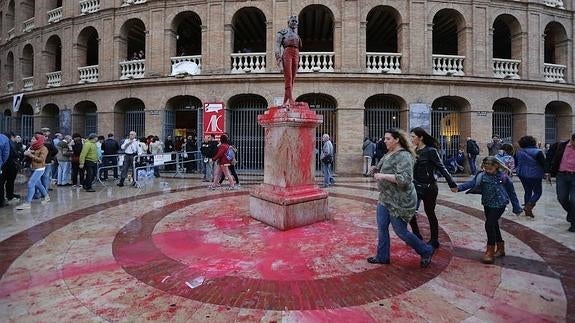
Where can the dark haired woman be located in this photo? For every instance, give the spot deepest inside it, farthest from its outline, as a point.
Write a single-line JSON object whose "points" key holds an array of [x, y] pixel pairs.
{"points": [[397, 198], [427, 164], [223, 164], [530, 169]]}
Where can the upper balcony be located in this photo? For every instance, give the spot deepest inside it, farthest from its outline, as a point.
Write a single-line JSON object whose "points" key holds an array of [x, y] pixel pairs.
{"points": [[28, 25], [131, 2], [554, 3], [54, 15], [89, 6]]}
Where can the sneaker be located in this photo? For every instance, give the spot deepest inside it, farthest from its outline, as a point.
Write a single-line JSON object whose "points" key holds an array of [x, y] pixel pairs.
{"points": [[23, 206], [213, 187], [46, 200], [426, 261], [15, 200]]}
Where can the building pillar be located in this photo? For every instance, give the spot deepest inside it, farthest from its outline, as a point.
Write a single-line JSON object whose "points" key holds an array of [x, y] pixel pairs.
{"points": [[349, 138]]}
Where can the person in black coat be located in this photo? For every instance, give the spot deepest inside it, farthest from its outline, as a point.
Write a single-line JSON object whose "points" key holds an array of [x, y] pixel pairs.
{"points": [[426, 165], [560, 163]]}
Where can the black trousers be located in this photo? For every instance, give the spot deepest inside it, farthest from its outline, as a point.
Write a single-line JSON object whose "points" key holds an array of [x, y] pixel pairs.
{"points": [[429, 198], [9, 172], [108, 161], [91, 168], [77, 171], [492, 216]]}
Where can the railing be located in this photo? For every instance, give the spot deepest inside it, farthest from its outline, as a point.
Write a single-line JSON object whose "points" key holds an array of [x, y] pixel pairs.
{"points": [[10, 87], [54, 15], [249, 62], [197, 59], [28, 25], [89, 6], [28, 83], [554, 72], [54, 79], [88, 74], [132, 69], [506, 68], [316, 62], [554, 3], [11, 33], [383, 62], [129, 2], [448, 65]]}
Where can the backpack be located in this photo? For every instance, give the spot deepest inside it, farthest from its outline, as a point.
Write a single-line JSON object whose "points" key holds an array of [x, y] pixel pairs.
{"points": [[474, 148], [231, 153]]}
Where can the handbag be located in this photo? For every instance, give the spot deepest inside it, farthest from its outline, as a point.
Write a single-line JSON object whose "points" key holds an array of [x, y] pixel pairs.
{"points": [[421, 188], [327, 159]]}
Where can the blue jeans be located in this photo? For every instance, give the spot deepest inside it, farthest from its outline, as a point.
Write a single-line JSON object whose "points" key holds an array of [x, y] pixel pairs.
{"points": [[47, 177], [514, 200], [35, 182], [566, 194], [209, 170], [533, 189], [327, 175], [472, 165], [400, 229], [64, 168]]}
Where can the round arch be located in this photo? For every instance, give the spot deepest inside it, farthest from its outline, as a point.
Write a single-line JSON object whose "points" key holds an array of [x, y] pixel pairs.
{"points": [[448, 36], [249, 30], [555, 44], [9, 67], [183, 116], [187, 29], [316, 28], [383, 111], [446, 123], [559, 118], [49, 117], [382, 30], [129, 116], [245, 132], [88, 47], [132, 41], [507, 39], [27, 61], [509, 120], [53, 53], [85, 118]]}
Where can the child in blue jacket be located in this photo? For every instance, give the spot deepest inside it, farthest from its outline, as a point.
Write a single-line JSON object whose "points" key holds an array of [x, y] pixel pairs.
{"points": [[496, 190]]}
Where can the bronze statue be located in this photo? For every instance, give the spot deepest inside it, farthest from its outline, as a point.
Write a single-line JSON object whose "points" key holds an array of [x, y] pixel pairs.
{"points": [[288, 59]]}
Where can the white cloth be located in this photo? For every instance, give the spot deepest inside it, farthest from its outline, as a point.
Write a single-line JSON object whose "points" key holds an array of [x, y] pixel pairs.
{"points": [[185, 67]]}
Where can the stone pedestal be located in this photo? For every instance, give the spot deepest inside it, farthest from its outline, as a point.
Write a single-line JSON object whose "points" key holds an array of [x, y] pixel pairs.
{"points": [[288, 198]]}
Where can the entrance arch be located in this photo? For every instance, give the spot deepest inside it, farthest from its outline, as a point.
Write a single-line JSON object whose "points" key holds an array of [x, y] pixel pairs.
{"points": [[85, 118], [129, 116], [183, 117], [382, 111], [50, 117], [558, 121], [446, 124], [509, 121]]}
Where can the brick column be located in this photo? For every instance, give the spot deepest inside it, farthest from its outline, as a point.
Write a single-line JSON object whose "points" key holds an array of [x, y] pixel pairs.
{"points": [[351, 47], [350, 133]]}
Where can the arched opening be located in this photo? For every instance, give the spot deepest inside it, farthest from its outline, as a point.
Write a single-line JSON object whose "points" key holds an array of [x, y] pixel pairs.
{"points": [[506, 46], [316, 29], [249, 41], [558, 122], [129, 116], [10, 21], [133, 39], [508, 122], [88, 55], [9, 67], [25, 122], [187, 26], [28, 8], [7, 120], [245, 132], [28, 61], [448, 41], [183, 117], [85, 118], [326, 106], [382, 111], [53, 59], [383, 40], [53, 4], [556, 42], [50, 117], [446, 124]]}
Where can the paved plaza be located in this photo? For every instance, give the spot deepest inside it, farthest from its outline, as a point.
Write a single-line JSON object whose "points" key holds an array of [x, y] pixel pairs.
{"points": [[174, 251]]}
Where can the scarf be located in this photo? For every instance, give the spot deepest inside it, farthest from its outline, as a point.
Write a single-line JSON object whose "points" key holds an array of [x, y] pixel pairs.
{"points": [[39, 142]]}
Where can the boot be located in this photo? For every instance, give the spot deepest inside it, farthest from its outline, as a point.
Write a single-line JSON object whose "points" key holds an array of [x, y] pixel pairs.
{"points": [[499, 250], [488, 256], [529, 209]]}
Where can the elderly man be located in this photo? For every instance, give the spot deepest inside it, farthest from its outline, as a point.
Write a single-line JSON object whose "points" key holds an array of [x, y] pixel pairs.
{"points": [[130, 148], [326, 158], [289, 61]]}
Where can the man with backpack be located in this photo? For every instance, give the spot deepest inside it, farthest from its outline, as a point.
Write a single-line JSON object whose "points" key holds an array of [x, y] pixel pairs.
{"points": [[472, 152]]}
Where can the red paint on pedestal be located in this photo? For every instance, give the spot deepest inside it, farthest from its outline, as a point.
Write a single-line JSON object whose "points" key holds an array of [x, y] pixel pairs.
{"points": [[289, 198]]}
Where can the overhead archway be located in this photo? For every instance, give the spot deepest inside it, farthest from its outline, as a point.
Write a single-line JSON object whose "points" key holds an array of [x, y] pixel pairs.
{"points": [[183, 116]]}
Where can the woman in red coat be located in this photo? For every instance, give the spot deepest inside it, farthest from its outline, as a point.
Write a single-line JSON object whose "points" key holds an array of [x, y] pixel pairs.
{"points": [[223, 161]]}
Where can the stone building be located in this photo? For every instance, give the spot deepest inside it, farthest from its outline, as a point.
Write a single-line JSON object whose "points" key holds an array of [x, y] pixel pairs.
{"points": [[475, 68]]}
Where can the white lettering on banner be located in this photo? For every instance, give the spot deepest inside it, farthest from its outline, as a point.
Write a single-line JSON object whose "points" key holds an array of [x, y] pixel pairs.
{"points": [[213, 124], [213, 107], [158, 160]]}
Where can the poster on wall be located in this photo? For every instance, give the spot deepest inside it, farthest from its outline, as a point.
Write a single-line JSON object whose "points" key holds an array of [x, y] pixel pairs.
{"points": [[420, 116], [214, 117], [65, 121]]}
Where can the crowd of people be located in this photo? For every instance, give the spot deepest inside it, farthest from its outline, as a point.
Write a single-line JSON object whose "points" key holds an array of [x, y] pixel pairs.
{"points": [[407, 173]]}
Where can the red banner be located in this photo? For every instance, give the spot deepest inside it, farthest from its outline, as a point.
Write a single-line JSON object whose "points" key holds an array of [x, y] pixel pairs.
{"points": [[214, 118]]}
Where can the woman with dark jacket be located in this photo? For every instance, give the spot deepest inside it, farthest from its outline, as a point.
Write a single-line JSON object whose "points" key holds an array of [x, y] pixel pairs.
{"points": [[223, 161], [427, 164], [530, 168], [77, 146]]}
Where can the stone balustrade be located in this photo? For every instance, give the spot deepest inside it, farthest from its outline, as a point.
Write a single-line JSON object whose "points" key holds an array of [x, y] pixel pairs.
{"points": [[554, 3], [383, 62], [130, 2], [89, 6], [506, 68], [54, 79], [88, 74], [248, 62], [448, 65], [316, 62], [54, 15], [28, 83], [28, 25], [132, 69], [10, 87], [11, 33], [197, 59], [554, 72]]}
